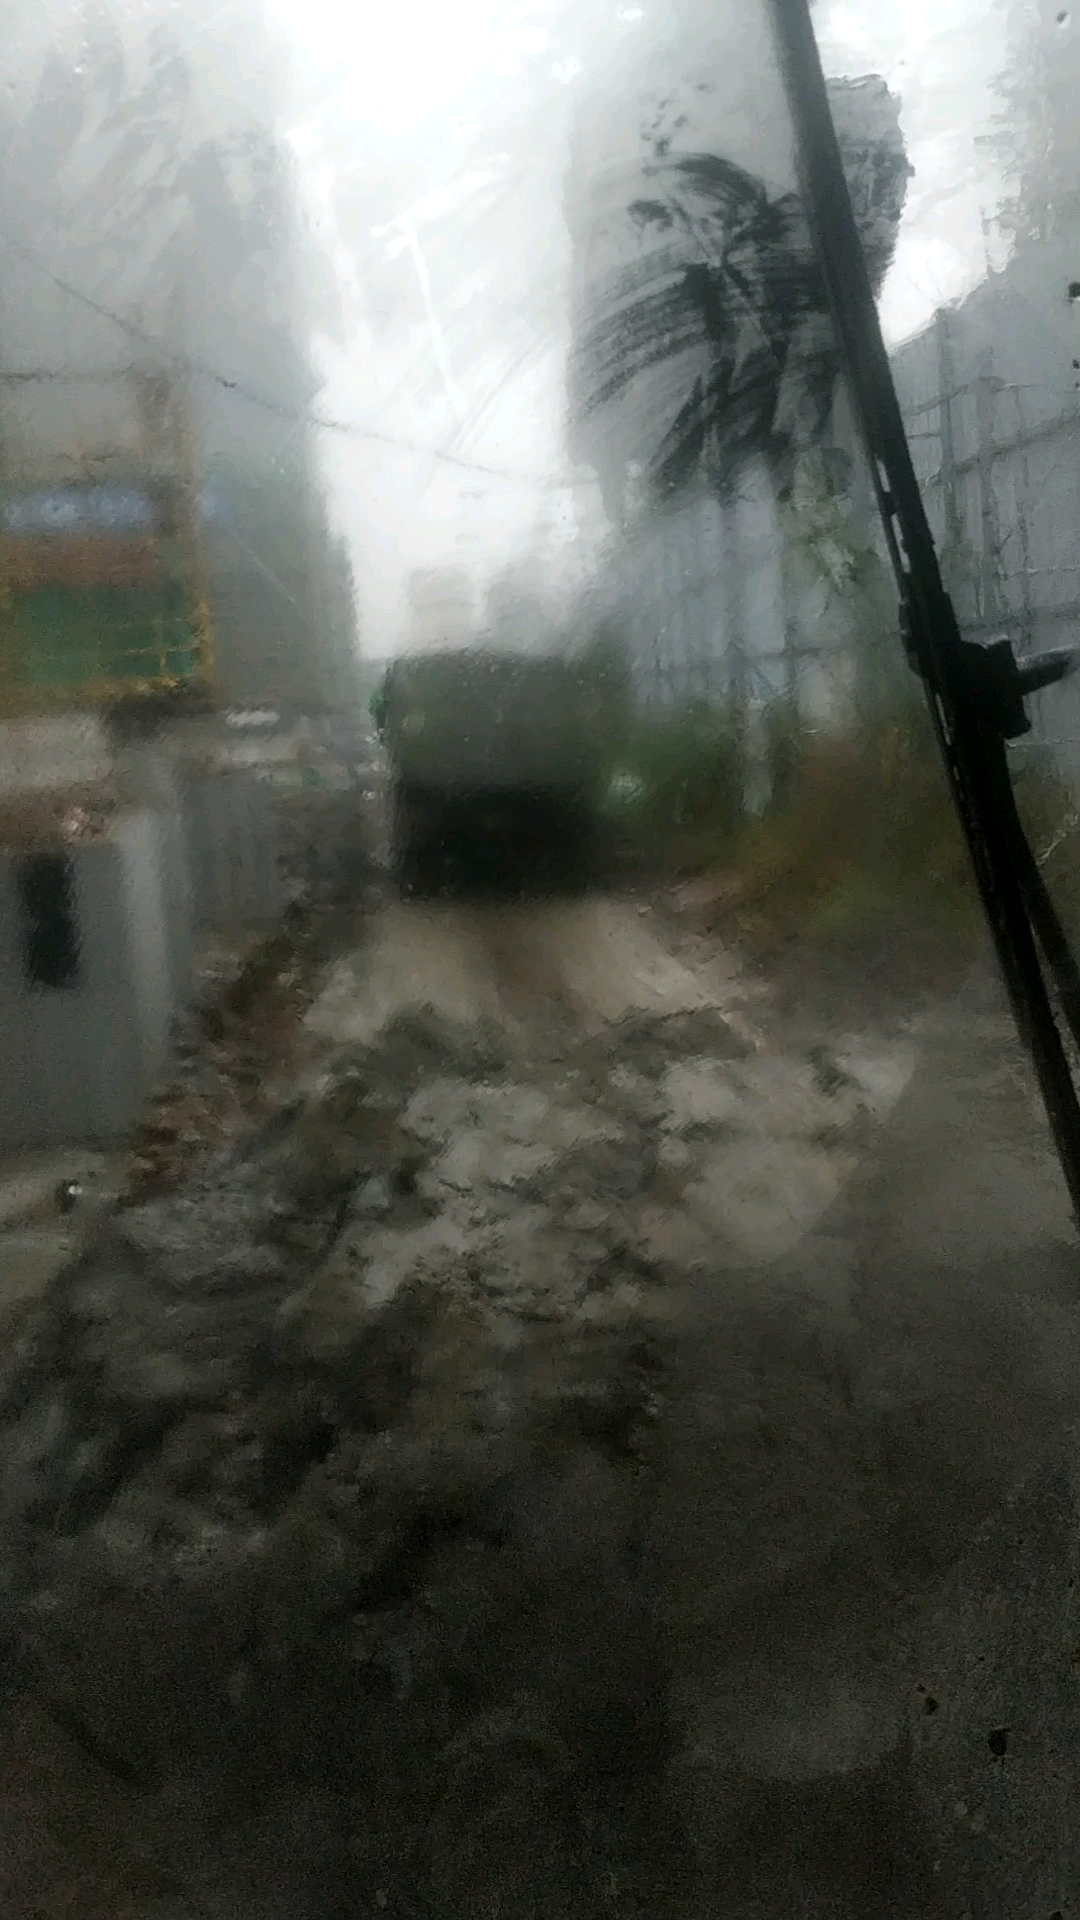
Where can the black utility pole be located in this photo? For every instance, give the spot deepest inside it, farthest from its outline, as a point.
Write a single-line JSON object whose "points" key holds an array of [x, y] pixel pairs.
{"points": [[976, 693]]}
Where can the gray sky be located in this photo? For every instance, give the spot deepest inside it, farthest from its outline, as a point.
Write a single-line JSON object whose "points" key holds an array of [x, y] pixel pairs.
{"points": [[401, 69]]}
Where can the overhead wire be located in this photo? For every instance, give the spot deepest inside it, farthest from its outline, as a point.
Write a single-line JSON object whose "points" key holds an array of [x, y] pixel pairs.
{"points": [[236, 384]]}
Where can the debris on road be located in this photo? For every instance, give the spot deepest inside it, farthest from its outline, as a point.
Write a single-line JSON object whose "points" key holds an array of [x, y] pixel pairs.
{"points": [[333, 1449], [240, 1046]]}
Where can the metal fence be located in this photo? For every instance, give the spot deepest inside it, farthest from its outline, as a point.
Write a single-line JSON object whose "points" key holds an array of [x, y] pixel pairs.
{"points": [[701, 601], [990, 394], [989, 401]]}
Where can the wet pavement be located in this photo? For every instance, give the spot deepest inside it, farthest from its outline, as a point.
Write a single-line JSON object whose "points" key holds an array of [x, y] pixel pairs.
{"points": [[611, 1426]]}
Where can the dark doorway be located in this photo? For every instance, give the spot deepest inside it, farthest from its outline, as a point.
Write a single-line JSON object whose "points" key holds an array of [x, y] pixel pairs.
{"points": [[50, 933]]}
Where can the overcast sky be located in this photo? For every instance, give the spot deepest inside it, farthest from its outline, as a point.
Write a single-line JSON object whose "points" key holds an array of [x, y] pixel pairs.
{"points": [[401, 68]]}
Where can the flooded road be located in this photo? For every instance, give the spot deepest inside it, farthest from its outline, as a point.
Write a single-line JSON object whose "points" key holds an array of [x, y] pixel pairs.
{"points": [[519, 967], [754, 1139], [492, 1484]]}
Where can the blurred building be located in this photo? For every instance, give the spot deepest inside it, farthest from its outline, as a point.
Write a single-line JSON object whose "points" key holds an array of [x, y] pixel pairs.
{"points": [[441, 608], [156, 227]]}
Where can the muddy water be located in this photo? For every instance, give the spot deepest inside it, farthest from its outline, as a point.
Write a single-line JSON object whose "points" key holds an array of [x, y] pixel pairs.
{"points": [[754, 1150], [593, 961], [344, 1499]]}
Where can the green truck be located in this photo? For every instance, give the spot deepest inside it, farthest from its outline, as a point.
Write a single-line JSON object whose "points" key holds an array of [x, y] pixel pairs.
{"points": [[497, 764]]}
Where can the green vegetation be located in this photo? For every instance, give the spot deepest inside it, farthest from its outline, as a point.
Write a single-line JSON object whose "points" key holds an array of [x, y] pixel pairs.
{"points": [[867, 840], [675, 796], [860, 835]]}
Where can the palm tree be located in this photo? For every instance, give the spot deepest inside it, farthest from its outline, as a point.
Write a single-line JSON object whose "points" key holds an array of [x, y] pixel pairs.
{"points": [[725, 303], [704, 358]]}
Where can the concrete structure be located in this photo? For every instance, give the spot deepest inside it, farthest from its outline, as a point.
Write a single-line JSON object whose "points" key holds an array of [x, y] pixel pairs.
{"points": [[85, 985], [233, 841], [213, 255], [696, 596], [676, 100], [719, 602], [1040, 112], [97, 935], [51, 751], [150, 780]]}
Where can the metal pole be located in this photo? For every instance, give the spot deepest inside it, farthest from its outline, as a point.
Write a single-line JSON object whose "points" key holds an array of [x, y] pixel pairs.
{"points": [[989, 545], [976, 694], [954, 526], [185, 453]]}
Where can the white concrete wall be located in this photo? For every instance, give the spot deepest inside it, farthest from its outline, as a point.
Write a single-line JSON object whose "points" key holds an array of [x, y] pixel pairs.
{"points": [[150, 780], [233, 841], [78, 1062], [58, 750]]}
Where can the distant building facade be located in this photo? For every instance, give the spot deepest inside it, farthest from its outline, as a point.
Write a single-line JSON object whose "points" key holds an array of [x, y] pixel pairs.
{"points": [[441, 605]]}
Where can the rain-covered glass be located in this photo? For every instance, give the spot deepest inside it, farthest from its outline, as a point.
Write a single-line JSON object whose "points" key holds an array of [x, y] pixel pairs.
{"points": [[538, 1311]]}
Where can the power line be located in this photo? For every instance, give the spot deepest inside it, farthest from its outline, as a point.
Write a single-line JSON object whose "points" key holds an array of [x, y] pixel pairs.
{"points": [[233, 383]]}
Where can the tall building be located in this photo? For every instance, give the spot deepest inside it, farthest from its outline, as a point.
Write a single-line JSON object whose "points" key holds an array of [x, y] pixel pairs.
{"points": [[522, 606], [156, 225], [1040, 136], [441, 603], [704, 367]]}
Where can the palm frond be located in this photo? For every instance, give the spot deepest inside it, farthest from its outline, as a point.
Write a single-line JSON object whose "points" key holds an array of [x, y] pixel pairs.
{"points": [[729, 272], [654, 330], [651, 213], [714, 177], [681, 451]]}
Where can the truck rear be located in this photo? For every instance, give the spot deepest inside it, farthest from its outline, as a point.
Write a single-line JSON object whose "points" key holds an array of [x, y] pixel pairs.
{"points": [[497, 765]]}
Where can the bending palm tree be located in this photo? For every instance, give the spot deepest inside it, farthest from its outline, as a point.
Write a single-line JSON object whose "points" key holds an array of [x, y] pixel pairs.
{"points": [[704, 357], [726, 305]]}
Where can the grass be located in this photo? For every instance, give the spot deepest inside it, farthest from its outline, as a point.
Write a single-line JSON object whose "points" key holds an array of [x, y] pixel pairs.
{"points": [[861, 841], [676, 794]]}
